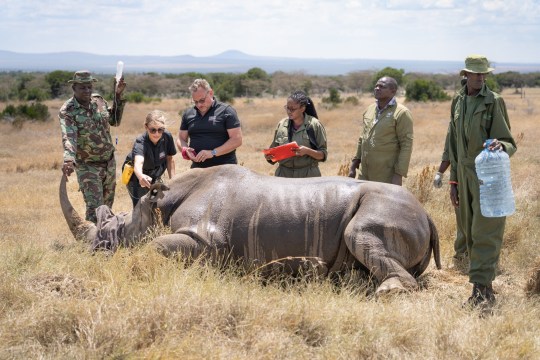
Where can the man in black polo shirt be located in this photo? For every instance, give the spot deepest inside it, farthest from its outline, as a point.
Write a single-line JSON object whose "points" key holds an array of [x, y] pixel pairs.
{"points": [[212, 127]]}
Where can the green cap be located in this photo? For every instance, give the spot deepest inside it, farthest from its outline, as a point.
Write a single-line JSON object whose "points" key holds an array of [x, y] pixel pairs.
{"points": [[82, 77], [477, 64]]}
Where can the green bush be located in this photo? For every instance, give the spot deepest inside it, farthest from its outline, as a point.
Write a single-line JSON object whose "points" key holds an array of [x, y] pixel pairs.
{"points": [[397, 74], [425, 90], [138, 97], [34, 111], [225, 96], [492, 83], [33, 94], [333, 98], [352, 100], [135, 97], [37, 111], [58, 82], [10, 110]]}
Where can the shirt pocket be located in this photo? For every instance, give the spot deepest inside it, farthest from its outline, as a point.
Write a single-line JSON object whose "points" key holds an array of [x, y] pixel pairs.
{"points": [[485, 124], [305, 139]]}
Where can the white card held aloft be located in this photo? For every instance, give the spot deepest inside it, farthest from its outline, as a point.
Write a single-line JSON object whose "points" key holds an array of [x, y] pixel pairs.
{"points": [[119, 70]]}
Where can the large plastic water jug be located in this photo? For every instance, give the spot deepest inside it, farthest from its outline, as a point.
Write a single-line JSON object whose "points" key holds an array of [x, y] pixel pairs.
{"points": [[493, 171]]}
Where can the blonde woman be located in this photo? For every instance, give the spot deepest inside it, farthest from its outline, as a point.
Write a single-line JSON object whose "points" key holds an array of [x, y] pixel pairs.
{"points": [[151, 155]]}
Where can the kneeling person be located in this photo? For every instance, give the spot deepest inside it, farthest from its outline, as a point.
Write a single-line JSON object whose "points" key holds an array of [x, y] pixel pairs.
{"points": [[152, 153]]}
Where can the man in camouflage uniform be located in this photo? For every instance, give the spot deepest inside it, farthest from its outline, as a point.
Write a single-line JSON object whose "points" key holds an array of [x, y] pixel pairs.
{"points": [[85, 121], [385, 147]]}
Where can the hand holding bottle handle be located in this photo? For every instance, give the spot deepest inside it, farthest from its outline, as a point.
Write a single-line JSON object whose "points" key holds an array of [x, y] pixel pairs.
{"points": [[493, 145]]}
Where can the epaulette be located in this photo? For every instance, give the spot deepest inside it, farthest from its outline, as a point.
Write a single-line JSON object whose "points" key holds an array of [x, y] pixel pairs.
{"points": [[68, 106]]}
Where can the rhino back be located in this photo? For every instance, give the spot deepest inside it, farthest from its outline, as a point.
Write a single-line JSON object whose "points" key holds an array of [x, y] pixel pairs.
{"points": [[263, 217]]}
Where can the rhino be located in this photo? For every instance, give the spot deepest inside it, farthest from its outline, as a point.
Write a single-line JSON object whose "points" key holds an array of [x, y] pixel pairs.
{"points": [[112, 230], [335, 222]]}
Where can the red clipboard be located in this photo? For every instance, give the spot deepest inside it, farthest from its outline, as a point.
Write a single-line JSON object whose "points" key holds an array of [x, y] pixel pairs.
{"points": [[282, 152]]}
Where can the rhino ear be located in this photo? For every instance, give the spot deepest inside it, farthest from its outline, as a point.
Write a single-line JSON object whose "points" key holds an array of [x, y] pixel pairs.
{"points": [[157, 192]]}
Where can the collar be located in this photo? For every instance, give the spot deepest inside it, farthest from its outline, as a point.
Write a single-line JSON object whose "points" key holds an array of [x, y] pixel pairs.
{"points": [[289, 121], [392, 102], [485, 92], [78, 104]]}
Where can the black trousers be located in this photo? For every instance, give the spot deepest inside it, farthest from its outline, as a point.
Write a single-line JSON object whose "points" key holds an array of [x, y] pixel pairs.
{"points": [[136, 191]]}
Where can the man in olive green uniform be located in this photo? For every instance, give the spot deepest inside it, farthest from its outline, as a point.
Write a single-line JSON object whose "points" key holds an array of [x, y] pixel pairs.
{"points": [[477, 114], [85, 121], [385, 147], [461, 257]]}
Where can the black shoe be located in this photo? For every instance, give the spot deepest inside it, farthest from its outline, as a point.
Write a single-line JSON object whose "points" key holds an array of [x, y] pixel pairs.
{"points": [[482, 296]]}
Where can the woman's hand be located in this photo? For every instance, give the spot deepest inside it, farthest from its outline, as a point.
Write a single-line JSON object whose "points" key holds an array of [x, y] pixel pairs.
{"points": [[302, 150], [145, 181]]}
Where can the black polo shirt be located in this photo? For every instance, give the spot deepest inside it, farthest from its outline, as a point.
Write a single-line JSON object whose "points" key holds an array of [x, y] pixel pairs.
{"points": [[155, 156], [210, 131]]}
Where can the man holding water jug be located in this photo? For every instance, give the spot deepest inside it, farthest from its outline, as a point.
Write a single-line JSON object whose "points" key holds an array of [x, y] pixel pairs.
{"points": [[477, 114]]}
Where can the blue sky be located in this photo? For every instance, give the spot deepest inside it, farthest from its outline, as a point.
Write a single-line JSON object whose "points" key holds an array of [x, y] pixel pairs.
{"points": [[504, 31]]}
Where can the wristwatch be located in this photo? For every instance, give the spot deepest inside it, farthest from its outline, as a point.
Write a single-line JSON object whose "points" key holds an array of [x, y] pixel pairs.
{"points": [[214, 152]]}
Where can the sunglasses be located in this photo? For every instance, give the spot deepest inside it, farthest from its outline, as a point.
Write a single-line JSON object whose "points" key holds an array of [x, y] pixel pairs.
{"points": [[201, 101], [156, 130], [288, 109]]}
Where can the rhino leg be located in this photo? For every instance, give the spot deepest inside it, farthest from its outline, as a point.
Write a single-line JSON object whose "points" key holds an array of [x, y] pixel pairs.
{"points": [[390, 286], [381, 256], [180, 244]]}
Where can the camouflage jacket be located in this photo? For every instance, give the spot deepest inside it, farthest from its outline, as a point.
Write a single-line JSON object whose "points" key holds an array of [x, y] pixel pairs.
{"points": [[86, 132]]}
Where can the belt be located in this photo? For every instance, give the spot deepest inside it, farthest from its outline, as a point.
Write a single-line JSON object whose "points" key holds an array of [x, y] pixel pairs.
{"points": [[98, 162], [300, 167]]}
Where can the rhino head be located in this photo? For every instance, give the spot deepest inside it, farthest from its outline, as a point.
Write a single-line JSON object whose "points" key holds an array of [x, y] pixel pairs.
{"points": [[112, 230]]}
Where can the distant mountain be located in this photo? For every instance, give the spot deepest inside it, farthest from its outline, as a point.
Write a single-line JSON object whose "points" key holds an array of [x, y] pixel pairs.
{"points": [[229, 61]]}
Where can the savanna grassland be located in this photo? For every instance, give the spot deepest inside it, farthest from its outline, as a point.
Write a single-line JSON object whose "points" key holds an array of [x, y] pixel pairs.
{"points": [[57, 300]]}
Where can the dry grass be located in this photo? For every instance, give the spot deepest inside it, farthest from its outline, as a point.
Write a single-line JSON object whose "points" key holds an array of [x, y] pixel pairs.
{"points": [[59, 301]]}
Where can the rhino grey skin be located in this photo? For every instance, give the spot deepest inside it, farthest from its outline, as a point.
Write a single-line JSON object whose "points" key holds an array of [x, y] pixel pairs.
{"points": [[134, 224], [337, 222]]}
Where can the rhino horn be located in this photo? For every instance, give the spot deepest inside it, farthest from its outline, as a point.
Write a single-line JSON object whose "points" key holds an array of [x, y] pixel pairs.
{"points": [[80, 228]]}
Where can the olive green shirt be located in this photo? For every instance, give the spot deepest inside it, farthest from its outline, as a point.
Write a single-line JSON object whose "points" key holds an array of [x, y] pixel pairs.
{"points": [[281, 137], [385, 147], [473, 120]]}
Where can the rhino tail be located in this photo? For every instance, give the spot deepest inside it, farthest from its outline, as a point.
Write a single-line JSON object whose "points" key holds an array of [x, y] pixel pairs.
{"points": [[79, 227], [434, 242]]}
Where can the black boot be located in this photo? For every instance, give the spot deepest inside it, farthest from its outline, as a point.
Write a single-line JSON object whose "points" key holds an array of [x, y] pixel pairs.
{"points": [[482, 296]]}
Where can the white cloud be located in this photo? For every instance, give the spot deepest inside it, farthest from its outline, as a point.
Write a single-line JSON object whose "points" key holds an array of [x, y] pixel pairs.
{"points": [[393, 29]]}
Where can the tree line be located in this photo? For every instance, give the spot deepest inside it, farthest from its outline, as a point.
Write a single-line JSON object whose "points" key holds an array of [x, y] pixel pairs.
{"points": [[151, 86]]}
